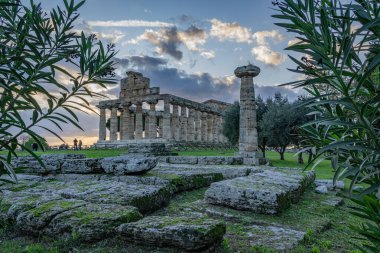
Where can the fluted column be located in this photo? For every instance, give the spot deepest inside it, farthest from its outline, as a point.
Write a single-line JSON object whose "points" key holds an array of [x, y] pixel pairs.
{"points": [[102, 124], [204, 127], [210, 123], [175, 123], [139, 121], [183, 124], [121, 129], [113, 124], [152, 127], [197, 129], [126, 123], [190, 125], [248, 141], [215, 132], [166, 127]]}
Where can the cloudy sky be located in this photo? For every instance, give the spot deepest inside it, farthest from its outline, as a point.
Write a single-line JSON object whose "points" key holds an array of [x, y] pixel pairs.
{"points": [[188, 48]]}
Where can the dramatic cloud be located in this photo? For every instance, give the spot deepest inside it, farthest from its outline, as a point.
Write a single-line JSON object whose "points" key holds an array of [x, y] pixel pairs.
{"points": [[230, 31], [129, 23], [262, 36], [168, 41], [113, 36], [267, 56]]}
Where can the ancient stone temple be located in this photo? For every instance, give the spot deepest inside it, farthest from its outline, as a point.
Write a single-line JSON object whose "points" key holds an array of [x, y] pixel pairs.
{"points": [[141, 114]]}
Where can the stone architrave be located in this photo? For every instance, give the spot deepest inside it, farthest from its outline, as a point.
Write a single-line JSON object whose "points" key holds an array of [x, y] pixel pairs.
{"points": [[248, 141], [139, 121], [204, 127], [102, 124], [166, 127], [113, 124], [183, 124], [175, 123], [152, 124], [190, 125]]}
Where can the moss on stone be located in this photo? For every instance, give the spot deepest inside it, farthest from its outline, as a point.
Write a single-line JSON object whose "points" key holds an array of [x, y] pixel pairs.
{"points": [[49, 206]]}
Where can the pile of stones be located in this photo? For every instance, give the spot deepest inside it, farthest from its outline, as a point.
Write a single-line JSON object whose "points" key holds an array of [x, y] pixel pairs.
{"points": [[92, 199]]}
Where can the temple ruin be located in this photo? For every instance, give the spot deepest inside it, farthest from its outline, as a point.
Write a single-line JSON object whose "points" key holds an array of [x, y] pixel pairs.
{"points": [[145, 115]]}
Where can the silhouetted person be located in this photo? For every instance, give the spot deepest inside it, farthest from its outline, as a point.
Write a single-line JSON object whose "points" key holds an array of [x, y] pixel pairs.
{"points": [[34, 146], [80, 144], [75, 144]]}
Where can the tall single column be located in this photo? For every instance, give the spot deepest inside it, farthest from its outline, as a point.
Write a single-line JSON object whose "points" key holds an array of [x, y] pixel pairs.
{"points": [[183, 124], [204, 127], [166, 127], [197, 123], [113, 124], [152, 127], [139, 121], [102, 124], [175, 123], [248, 141], [190, 125]]}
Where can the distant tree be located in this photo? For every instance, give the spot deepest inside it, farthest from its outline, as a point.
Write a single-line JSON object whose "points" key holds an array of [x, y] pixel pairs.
{"points": [[231, 123], [38, 50]]}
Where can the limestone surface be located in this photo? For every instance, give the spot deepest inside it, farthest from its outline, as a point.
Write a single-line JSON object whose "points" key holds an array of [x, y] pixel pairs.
{"points": [[267, 192], [187, 233], [128, 165], [82, 166]]}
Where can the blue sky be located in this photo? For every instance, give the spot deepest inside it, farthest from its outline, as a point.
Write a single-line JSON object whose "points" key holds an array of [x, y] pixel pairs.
{"points": [[190, 48]]}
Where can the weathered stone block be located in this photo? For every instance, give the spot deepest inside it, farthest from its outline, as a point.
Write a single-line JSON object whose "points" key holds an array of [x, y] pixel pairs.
{"points": [[183, 159], [82, 166], [128, 164], [187, 233], [157, 149], [268, 192], [62, 156], [330, 184]]}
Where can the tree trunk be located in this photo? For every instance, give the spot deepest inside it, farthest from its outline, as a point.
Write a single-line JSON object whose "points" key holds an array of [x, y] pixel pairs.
{"points": [[282, 155], [300, 158], [262, 148]]}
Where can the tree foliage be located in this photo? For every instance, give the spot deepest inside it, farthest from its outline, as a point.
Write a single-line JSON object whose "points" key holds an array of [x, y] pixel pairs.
{"points": [[42, 141], [38, 51], [341, 48], [231, 123]]}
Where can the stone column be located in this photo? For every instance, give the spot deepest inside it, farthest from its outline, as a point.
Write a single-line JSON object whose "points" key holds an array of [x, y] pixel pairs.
{"points": [[210, 125], [175, 123], [215, 129], [102, 124], [190, 125], [121, 129], [221, 136], [197, 130], [160, 131], [166, 127], [183, 124], [248, 141], [127, 123], [113, 124], [152, 125], [204, 127], [139, 123]]}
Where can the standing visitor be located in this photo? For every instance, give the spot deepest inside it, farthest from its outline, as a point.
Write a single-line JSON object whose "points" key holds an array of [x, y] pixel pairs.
{"points": [[75, 144], [80, 144], [35, 146]]}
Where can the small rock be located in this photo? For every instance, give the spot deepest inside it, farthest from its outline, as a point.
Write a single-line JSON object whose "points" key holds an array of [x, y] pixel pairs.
{"points": [[128, 165], [322, 189], [330, 184]]}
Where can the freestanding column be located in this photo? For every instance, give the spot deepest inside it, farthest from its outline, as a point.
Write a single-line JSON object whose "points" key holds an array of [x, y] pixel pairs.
{"points": [[197, 135], [166, 128], [204, 127], [183, 124], [175, 123], [139, 123], [152, 127], [113, 124], [102, 124], [248, 141], [190, 125]]}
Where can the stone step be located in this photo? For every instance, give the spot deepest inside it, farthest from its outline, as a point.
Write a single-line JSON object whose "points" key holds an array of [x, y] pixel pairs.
{"points": [[187, 233], [267, 192]]}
